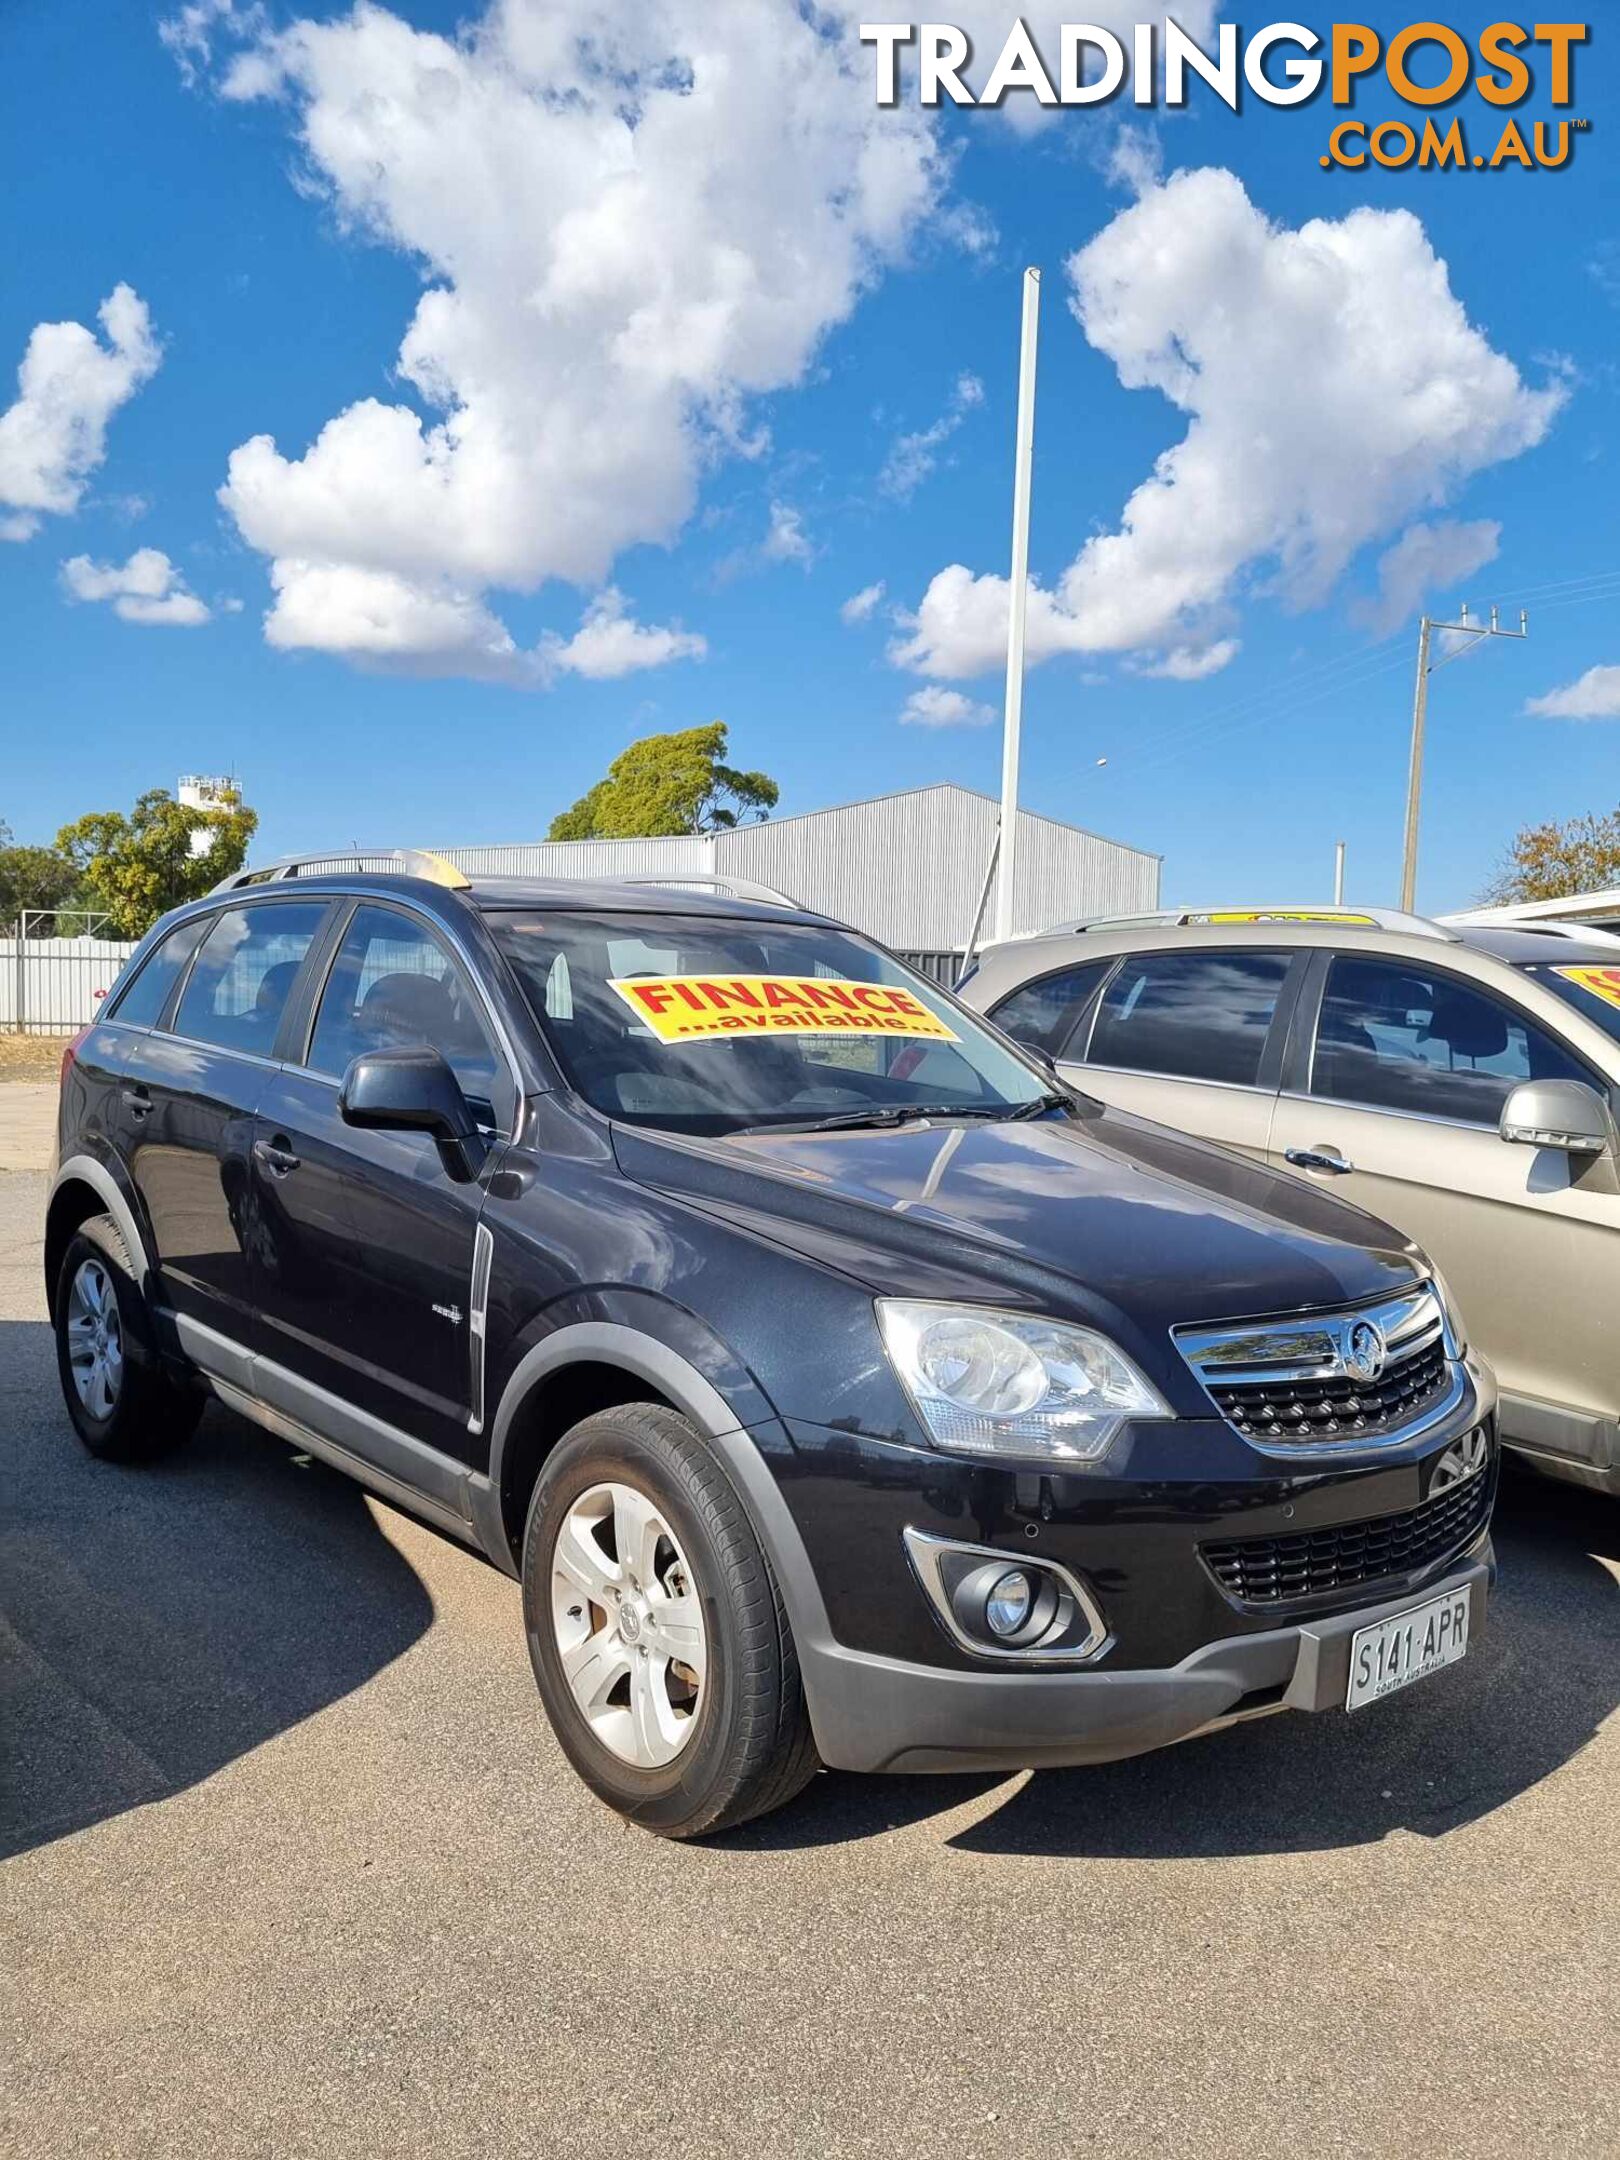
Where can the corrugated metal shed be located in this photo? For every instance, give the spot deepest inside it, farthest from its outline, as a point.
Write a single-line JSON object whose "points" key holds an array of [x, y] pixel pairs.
{"points": [[906, 868], [607, 859]]}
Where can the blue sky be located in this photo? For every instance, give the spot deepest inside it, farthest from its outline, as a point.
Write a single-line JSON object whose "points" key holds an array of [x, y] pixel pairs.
{"points": [[279, 295]]}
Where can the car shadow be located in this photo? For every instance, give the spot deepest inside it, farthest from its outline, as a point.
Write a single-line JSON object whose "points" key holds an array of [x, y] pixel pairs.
{"points": [[1529, 1696], [156, 1623]]}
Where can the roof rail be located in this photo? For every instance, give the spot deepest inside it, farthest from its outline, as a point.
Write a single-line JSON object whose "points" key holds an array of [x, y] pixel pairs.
{"points": [[740, 888], [400, 862], [1348, 918]]}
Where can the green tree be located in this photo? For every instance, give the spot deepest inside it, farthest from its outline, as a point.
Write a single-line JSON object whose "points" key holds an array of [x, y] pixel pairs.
{"points": [[1552, 862], [138, 867], [32, 877], [669, 784]]}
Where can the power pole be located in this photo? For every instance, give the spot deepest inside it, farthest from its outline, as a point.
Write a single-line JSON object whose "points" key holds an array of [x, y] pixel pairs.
{"points": [[1023, 461], [1470, 633]]}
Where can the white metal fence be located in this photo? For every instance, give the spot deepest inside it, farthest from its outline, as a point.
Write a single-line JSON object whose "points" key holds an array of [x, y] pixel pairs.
{"points": [[54, 985]]}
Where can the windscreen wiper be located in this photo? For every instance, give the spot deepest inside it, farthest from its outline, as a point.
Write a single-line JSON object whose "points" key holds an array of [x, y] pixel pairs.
{"points": [[1052, 1100], [880, 1115]]}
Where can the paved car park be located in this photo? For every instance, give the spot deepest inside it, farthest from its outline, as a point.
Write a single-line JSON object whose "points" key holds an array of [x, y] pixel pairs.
{"points": [[294, 1866]]}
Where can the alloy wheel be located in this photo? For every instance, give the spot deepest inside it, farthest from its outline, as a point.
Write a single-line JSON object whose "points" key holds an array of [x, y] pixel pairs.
{"points": [[95, 1339], [628, 1624]]}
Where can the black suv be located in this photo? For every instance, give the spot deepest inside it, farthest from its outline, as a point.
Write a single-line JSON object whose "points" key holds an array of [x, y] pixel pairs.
{"points": [[840, 1388]]}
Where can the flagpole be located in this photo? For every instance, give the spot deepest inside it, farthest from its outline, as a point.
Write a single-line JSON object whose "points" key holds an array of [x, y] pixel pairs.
{"points": [[1024, 454]]}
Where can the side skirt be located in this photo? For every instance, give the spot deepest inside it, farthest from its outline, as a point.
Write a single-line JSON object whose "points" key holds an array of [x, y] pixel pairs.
{"points": [[1548, 1430], [389, 1462]]}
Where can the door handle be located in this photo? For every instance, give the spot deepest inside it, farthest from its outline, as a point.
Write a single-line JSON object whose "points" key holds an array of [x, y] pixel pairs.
{"points": [[274, 1156], [1318, 1158], [136, 1100]]}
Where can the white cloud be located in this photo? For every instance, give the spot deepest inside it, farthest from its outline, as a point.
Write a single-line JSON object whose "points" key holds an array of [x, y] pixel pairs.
{"points": [[190, 32], [383, 621], [1192, 663], [961, 626], [787, 541], [1334, 387], [913, 457], [69, 385], [1593, 696], [630, 229], [862, 606], [932, 706], [146, 589], [610, 643], [1134, 159], [1425, 557]]}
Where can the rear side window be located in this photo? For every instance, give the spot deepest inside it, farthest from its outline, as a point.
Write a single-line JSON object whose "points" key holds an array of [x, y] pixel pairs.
{"points": [[1044, 1013], [245, 972], [140, 1003], [1396, 1038], [1190, 1015]]}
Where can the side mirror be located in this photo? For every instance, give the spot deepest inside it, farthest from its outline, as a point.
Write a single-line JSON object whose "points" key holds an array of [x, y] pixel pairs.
{"points": [[1043, 1058], [1563, 1114], [414, 1091]]}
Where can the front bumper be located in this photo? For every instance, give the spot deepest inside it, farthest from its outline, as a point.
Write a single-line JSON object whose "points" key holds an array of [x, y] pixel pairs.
{"points": [[1139, 1528], [879, 1713]]}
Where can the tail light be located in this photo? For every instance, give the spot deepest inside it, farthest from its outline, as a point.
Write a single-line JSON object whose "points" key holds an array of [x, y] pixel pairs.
{"points": [[68, 1056]]}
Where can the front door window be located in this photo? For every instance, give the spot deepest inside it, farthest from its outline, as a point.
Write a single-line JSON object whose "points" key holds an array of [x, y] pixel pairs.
{"points": [[393, 986], [1394, 1037]]}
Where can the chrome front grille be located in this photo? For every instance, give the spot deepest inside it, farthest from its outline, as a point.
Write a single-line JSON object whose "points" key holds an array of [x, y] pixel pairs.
{"points": [[1336, 1379]]}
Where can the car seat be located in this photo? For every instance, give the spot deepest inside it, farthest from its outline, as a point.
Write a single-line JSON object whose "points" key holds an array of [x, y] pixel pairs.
{"points": [[402, 1009], [1467, 1026]]}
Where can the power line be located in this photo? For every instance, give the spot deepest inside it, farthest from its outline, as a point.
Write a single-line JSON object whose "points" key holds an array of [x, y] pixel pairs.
{"points": [[1349, 672], [1346, 672], [1560, 585]]}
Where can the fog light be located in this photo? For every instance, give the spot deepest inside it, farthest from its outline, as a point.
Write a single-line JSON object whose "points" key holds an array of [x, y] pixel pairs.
{"points": [[1011, 1600], [998, 1605], [1004, 1607]]}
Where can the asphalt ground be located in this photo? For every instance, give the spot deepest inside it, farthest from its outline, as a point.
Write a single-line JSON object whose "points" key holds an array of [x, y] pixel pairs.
{"points": [[295, 1867]]}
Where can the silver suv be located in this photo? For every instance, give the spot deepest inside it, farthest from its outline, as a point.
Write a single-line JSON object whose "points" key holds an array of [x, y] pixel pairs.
{"points": [[1464, 1084]]}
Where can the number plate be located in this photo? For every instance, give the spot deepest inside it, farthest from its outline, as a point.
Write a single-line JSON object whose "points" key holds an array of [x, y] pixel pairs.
{"points": [[1393, 1653]]}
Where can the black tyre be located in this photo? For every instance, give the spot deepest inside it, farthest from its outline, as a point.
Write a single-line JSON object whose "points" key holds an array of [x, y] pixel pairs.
{"points": [[656, 1629], [124, 1405]]}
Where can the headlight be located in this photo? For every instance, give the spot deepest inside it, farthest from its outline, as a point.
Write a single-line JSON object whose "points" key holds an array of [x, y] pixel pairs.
{"points": [[993, 1383]]}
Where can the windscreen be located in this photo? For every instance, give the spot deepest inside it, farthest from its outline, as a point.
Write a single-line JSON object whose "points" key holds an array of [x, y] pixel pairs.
{"points": [[707, 1023], [1592, 987]]}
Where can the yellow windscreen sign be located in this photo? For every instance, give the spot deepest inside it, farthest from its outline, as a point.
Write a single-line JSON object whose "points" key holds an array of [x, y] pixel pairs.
{"points": [[1265, 915], [705, 1008], [1603, 982]]}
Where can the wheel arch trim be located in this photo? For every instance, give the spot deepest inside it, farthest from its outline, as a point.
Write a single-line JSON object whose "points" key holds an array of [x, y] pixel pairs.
{"points": [[603, 1342], [86, 1170]]}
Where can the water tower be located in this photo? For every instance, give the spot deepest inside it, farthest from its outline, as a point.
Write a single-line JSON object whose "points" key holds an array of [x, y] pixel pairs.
{"points": [[206, 791]]}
